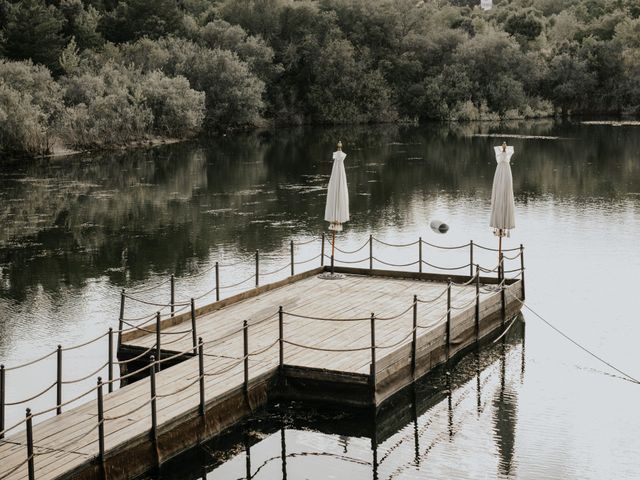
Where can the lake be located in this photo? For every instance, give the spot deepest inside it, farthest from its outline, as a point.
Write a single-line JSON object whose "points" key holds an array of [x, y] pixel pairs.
{"points": [[77, 230]]}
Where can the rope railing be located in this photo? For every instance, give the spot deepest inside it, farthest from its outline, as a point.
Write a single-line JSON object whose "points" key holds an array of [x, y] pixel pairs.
{"points": [[95, 372], [351, 252], [33, 397], [446, 268], [396, 264], [442, 247], [397, 245]]}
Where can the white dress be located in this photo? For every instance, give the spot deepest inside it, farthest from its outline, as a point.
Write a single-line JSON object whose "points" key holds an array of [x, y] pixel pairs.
{"points": [[337, 209], [502, 203]]}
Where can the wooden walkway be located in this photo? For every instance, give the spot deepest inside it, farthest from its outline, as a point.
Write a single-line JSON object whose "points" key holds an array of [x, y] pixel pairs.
{"points": [[323, 360]]}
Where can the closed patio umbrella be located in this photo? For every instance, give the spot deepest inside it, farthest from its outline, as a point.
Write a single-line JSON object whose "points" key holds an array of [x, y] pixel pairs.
{"points": [[502, 203], [337, 209]]}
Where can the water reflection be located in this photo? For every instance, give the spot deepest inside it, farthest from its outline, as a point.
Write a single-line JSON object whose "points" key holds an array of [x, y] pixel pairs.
{"points": [[354, 442]]}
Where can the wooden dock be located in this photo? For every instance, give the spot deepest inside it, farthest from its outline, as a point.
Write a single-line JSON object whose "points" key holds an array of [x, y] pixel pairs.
{"points": [[356, 341]]}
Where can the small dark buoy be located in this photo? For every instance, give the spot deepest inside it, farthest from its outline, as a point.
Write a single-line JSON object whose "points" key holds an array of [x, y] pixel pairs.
{"points": [[438, 226]]}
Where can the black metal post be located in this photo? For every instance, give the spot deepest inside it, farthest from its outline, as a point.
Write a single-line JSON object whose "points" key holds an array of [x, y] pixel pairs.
{"points": [[121, 319], [281, 336], [471, 258], [522, 269], [283, 453], [173, 295], [503, 302], [59, 380], [2, 396], [100, 423], [194, 333], [448, 318], [154, 418], [158, 341], [420, 254], [257, 268], [477, 303], [245, 335], [122, 297], [110, 336], [30, 459], [373, 356], [201, 371], [292, 259], [414, 345], [217, 282], [370, 252], [322, 252]]}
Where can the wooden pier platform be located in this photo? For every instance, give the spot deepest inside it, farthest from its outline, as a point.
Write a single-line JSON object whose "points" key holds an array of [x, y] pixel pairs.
{"points": [[356, 341]]}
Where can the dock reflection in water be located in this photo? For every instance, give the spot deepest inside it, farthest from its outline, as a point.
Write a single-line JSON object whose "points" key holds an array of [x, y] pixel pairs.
{"points": [[396, 442]]}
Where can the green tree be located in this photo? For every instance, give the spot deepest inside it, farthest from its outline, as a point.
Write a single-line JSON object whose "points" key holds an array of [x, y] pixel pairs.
{"points": [[133, 19]]}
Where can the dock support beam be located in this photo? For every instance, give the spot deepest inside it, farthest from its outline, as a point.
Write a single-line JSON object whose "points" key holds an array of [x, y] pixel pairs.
{"points": [[201, 371], [59, 380], [448, 318], [32, 469], [414, 345], [194, 334], [373, 357], [217, 282], [110, 336], [158, 340]]}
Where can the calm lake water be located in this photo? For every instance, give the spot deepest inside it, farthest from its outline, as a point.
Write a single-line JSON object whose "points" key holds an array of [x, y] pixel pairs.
{"points": [[75, 231]]}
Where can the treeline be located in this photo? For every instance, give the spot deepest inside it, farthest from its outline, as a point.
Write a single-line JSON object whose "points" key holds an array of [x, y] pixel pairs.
{"points": [[96, 73]]}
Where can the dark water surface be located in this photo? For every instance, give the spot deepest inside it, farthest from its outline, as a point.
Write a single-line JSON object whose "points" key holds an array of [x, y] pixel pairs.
{"points": [[77, 230]]}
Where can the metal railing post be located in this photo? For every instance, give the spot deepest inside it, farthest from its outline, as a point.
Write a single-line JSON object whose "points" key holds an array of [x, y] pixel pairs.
{"points": [[373, 356], [477, 303], [110, 336], [59, 380], [414, 344], [322, 252], [245, 335], [257, 268], [152, 385], [281, 336], [420, 254], [194, 333], [292, 260], [201, 371], [471, 258], [158, 342], [522, 269], [122, 297], [370, 252], [32, 469], [217, 282], [2, 399], [173, 294], [100, 423], [448, 318], [503, 302], [121, 319]]}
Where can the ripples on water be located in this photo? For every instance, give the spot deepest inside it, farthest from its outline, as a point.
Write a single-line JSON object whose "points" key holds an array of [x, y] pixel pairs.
{"points": [[76, 231]]}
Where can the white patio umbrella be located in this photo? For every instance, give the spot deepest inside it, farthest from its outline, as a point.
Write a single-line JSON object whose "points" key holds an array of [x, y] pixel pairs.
{"points": [[337, 209], [502, 203]]}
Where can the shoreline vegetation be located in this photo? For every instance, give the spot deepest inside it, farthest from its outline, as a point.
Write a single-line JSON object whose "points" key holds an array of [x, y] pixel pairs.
{"points": [[79, 75]]}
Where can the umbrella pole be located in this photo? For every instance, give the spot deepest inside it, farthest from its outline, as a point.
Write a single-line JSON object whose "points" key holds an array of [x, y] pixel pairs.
{"points": [[333, 248]]}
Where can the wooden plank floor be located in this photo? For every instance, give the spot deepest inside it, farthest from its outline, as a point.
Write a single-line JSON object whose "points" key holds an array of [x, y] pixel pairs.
{"points": [[71, 439]]}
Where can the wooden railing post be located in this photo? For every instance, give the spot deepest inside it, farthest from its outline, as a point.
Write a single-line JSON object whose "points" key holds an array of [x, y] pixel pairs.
{"points": [[173, 295], [292, 259], [370, 252], [448, 318], [470, 258], [414, 344], [281, 336], [420, 254], [30, 458], [217, 282], [152, 385], [158, 342], [522, 269], [477, 303], [100, 423], [194, 334], [322, 252], [257, 268], [373, 357], [59, 380], [201, 371], [245, 335], [110, 336], [2, 399]]}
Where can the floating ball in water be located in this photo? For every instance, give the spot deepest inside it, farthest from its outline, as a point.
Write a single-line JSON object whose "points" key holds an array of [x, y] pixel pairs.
{"points": [[438, 226]]}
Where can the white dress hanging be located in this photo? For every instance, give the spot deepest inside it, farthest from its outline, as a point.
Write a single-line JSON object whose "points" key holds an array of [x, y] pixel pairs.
{"points": [[337, 209], [502, 203]]}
